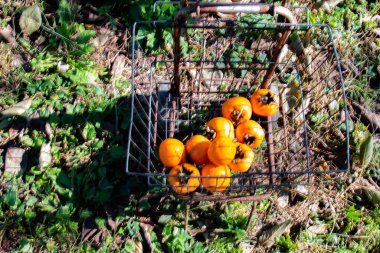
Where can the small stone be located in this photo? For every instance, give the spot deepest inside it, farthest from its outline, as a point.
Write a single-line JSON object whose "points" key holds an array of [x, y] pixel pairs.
{"points": [[212, 79], [62, 66], [45, 155], [318, 229], [283, 200], [314, 207], [118, 66], [301, 189], [49, 131], [15, 160]]}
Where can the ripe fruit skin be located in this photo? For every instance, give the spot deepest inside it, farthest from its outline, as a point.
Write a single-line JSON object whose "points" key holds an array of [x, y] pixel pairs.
{"points": [[221, 127], [264, 102], [243, 159], [171, 152], [180, 185], [197, 147], [219, 178], [221, 151], [237, 109], [251, 133]]}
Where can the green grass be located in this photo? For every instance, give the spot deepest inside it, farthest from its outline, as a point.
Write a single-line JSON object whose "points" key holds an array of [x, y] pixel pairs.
{"points": [[85, 187]]}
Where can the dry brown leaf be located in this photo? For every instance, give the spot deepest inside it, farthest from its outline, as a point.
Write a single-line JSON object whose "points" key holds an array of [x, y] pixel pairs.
{"points": [[15, 160], [372, 194], [30, 20], [17, 109], [268, 237], [45, 157]]}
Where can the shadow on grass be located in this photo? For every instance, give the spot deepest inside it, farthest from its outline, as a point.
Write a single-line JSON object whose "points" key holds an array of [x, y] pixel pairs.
{"points": [[84, 197]]}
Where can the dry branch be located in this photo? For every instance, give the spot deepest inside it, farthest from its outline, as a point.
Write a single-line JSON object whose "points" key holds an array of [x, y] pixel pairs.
{"points": [[368, 114]]}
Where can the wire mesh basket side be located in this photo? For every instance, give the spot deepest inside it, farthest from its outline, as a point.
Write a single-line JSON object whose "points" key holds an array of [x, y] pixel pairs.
{"points": [[233, 59]]}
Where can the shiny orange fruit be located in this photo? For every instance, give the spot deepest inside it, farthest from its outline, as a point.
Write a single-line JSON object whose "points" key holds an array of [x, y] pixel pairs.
{"points": [[237, 109], [220, 127], [251, 133], [197, 147], [222, 151], [243, 158], [171, 152], [216, 178], [264, 102], [184, 178]]}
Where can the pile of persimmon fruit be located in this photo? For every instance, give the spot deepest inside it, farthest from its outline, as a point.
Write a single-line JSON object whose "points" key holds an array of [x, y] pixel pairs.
{"points": [[228, 145]]}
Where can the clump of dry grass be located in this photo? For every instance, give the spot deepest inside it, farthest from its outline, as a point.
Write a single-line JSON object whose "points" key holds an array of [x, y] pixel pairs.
{"points": [[8, 79]]}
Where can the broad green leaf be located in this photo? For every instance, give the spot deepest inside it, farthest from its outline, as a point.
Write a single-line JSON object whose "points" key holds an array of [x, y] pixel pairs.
{"points": [[65, 211], [64, 180], [85, 213], [85, 36], [164, 219], [31, 201], [27, 141], [30, 20], [11, 197], [150, 40], [80, 76], [66, 11], [142, 33], [129, 246], [145, 205], [366, 150], [100, 222], [98, 144], [29, 214], [353, 214], [89, 132], [184, 45]]}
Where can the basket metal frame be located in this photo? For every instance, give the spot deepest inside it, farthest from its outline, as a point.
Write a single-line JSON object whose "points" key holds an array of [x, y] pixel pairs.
{"points": [[181, 23]]}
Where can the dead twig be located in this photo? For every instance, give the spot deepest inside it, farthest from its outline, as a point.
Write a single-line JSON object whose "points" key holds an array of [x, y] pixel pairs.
{"points": [[89, 234], [145, 229], [368, 114]]}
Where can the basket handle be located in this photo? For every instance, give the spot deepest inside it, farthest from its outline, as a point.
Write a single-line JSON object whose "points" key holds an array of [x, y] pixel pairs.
{"points": [[236, 7], [228, 8]]}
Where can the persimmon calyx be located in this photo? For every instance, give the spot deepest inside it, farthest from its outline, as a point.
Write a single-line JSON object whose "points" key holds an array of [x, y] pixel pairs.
{"points": [[236, 114], [210, 133], [249, 139], [239, 154], [267, 99]]}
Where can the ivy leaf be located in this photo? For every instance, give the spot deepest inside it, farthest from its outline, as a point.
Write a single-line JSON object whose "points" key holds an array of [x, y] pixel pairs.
{"points": [[11, 197], [30, 20], [150, 40], [80, 76], [366, 150], [353, 214], [89, 132], [164, 219], [184, 45]]}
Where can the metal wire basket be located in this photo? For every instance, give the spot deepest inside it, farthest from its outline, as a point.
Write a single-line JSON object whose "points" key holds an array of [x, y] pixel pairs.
{"points": [[211, 60]]}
